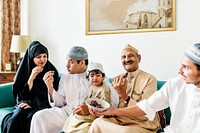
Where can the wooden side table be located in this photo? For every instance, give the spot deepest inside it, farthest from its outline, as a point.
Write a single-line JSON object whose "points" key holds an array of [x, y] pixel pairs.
{"points": [[6, 76]]}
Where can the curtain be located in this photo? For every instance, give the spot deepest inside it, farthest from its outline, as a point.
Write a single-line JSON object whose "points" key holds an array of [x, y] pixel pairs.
{"points": [[1, 10], [10, 16]]}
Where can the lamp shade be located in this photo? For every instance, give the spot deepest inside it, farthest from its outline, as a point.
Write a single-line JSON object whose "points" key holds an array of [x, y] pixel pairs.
{"points": [[19, 43]]}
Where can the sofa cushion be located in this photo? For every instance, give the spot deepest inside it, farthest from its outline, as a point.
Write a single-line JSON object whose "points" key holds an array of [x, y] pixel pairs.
{"points": [[4, 112]]}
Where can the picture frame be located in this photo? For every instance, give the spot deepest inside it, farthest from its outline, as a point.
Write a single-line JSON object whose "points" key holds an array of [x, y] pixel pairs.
{"points": [[130, 16], [8, 66]]}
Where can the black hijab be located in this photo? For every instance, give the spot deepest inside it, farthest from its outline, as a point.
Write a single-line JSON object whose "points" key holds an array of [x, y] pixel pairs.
{"points": [[39, 94]]}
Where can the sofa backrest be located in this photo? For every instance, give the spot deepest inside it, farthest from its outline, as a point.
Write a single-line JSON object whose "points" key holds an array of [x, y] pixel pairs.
{"points": [[6, 95]]}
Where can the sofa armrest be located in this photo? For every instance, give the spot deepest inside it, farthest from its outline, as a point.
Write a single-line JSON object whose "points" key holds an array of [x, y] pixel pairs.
{"points": [[167, 110], [6, 95]]}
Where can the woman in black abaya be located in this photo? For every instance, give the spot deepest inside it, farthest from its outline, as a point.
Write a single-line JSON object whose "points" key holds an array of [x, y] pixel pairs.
{"points": [[29, 89]]}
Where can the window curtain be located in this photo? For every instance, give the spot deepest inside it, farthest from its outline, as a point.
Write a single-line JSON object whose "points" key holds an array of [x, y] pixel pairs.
{"points": [[10, 25]]}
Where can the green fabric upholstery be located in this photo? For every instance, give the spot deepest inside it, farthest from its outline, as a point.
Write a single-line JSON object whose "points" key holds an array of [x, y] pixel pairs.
{"points": [[4, 112], [7, 101], [6, 96], [167, 110]]}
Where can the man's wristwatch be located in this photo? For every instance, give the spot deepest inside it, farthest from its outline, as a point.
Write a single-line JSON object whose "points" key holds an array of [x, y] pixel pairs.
{"points": [[127, 100]]}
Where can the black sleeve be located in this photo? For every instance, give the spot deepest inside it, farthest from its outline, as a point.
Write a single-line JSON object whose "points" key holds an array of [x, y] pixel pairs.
{"points": [[21, 93]]}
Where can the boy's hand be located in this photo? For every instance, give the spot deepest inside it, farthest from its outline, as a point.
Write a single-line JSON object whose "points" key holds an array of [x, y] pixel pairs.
{"points": [[81, 109]]}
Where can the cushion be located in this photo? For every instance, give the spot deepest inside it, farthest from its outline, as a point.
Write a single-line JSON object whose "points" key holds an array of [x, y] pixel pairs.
{"points": [[4, 112]]}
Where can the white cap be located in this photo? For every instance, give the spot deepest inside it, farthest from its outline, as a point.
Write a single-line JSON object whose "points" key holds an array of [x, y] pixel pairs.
{"points": [[193, 53], [95, 66]]}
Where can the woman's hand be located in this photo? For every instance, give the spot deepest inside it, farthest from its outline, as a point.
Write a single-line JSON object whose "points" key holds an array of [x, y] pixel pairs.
{"points": [[35, 71], [24, 105]]}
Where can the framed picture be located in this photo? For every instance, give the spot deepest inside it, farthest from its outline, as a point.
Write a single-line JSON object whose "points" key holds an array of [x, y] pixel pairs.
{"points": [[128, 16], [8, 67]]}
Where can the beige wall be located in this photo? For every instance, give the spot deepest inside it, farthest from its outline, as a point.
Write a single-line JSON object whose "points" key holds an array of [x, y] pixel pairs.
{"points": [[60, 24]]}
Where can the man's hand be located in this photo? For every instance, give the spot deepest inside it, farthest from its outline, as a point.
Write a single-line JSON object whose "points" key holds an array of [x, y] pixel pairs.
{"points": [[105, 113], [48, 79], [81, 109], [120, 85]]}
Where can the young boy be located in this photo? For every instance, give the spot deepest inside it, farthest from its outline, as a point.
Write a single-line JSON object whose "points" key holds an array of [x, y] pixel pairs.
{"points": [[81, 123]]}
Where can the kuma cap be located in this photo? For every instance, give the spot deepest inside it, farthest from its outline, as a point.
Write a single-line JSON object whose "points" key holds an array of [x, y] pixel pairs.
{"points": [[193, 53], [77, 53], [95, 66]]}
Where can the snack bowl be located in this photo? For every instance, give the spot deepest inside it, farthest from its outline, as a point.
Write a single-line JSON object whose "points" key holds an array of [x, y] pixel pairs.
{"points": [[97, 104]]}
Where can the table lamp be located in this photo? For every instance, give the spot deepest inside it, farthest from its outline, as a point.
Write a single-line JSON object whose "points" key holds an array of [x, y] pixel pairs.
{"points": [[19, 44]]}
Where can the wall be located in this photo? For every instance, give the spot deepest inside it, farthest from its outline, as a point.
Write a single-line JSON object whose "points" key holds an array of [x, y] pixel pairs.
{"points": [[60, 24]]}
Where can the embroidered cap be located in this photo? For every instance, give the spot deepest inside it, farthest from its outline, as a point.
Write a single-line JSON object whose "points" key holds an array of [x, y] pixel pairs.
{"points": [[95, 66], [77, 53], [193, 53], [128, 46]]}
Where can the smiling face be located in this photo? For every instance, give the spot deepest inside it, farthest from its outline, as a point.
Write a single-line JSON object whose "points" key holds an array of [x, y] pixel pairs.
{"points": [[130, 60], [189, 72], [40, 60]]}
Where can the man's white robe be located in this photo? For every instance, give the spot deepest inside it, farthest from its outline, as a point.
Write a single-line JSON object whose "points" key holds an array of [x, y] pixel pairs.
{"points": [[73, 90]]}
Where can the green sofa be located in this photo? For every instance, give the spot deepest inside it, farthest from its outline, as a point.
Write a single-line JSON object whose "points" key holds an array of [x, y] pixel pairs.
{"points": [[7, 101]]}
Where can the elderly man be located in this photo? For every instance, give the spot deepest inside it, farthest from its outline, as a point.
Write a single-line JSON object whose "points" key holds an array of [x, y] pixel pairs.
{"points": [[181, 94], [132, 87]]}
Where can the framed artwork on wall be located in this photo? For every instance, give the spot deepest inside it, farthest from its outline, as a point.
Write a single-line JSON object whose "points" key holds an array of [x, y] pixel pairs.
{"points": [[129, 16]]}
